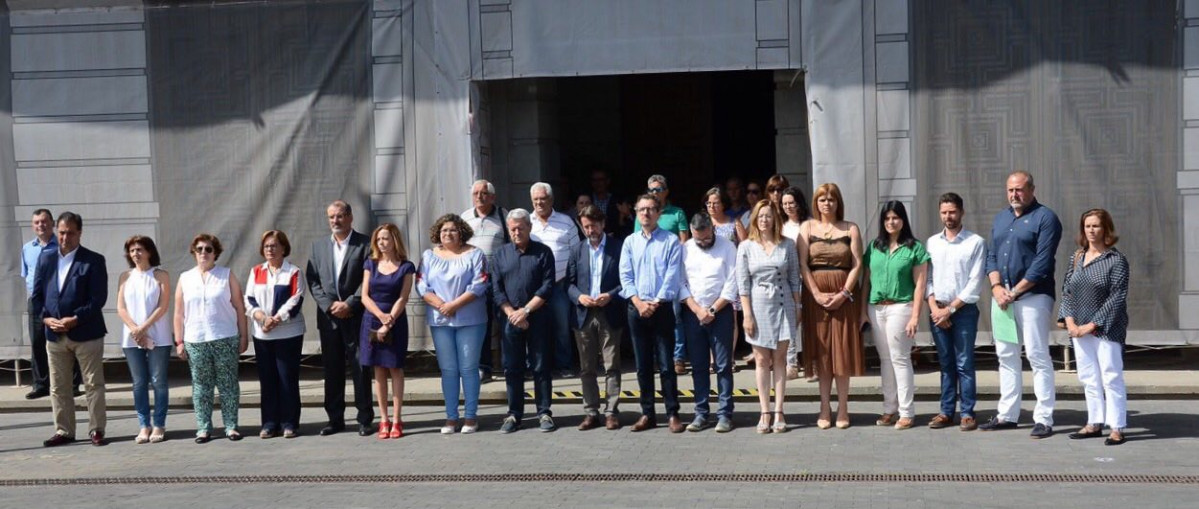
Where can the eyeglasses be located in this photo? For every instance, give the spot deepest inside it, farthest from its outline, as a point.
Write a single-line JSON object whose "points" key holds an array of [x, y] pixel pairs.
{"points": [[772, 191], [449, 230], [203, 249], [656, 190], [647, 210]]}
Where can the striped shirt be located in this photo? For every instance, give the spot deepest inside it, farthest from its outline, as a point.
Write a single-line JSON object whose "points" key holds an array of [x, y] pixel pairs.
{"points": [[279, 295], [561, 235]]}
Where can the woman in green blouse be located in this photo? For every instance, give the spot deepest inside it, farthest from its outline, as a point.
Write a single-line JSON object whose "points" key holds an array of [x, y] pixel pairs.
{"points": [[896, 268]]}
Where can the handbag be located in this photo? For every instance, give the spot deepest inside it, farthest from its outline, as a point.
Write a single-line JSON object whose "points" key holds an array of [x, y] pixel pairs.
{"points": [[382, 339]]}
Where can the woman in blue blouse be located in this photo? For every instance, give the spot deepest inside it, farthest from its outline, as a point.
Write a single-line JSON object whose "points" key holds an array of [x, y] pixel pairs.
{"points": [[1095, 311], [453, 280]]}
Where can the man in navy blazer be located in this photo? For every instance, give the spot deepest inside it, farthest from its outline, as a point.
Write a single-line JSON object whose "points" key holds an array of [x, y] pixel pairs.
{"points": [[593, 286], [69, 293]]}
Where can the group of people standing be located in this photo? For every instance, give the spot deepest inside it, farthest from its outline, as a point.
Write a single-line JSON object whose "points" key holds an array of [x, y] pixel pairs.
{"points": [[543, 285]]}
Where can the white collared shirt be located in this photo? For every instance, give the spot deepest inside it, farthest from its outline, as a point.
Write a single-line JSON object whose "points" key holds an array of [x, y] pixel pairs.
{"points": [[709, 274], [339, 255], [560, 234], [64, 266], [957, 266]]}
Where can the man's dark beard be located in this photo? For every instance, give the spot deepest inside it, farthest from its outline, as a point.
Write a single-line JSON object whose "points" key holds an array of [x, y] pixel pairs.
{"points": [[706, 245]]}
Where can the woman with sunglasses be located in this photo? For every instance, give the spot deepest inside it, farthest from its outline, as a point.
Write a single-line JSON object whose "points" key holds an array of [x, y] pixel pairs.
{"points": [[210, 334]]}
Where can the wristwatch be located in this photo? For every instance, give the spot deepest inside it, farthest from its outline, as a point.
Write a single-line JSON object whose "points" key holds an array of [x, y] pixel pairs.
{"points": [[526, 310], [711, 310], [952, 309]]}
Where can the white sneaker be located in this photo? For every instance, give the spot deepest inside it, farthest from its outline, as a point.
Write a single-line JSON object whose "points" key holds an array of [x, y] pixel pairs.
{"points": [[448, 429]]}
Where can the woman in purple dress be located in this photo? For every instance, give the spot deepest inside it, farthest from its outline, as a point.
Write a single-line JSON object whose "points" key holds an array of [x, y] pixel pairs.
{"points": [[384, 342]]}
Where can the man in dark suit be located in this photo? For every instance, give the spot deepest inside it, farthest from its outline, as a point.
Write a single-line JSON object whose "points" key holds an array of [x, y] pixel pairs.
{"points": [[593, 278], [334, 277], [69, 292]]}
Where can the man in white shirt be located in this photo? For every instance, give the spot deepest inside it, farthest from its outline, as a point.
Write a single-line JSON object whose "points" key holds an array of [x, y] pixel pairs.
{"points": [[487, 221], [955, 278], [560, 233], [707, 293]]}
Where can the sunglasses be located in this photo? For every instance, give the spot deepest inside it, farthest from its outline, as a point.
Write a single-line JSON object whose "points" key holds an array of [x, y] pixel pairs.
{"points": [[204, 249], [656, 190]]}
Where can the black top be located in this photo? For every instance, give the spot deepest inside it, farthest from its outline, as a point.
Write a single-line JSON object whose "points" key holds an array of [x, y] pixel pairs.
{"points": [[1096, 293], [517, 277]]}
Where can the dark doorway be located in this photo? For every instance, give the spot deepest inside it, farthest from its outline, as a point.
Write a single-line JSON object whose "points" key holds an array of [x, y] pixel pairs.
{"points": [[697, 129]]}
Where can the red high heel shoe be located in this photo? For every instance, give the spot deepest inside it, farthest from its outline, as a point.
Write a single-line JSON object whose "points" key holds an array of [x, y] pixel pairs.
{"points": [[397, 430], [384, 429]]}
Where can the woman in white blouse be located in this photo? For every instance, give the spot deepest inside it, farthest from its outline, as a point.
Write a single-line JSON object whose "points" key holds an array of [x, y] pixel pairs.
{"points": [[273, 298], [210, 333], [143, 294]]}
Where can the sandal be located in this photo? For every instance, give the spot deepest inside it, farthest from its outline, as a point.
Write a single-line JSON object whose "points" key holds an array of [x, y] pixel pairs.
{"points": [[1088, 431], [397, 430], [233, 435], [780, 425], [384, 430], [1116, 438], [764, 423]]}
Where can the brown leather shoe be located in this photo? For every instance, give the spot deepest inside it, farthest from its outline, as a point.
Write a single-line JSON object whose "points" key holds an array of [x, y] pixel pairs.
{"points": [[644, 423], [680, 368], [968, 424], [940, 421], [676, 424], [612, 422], [589, 422], [885, 420]]}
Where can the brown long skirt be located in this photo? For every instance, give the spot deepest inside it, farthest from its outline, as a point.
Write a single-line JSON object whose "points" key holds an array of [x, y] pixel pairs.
{"points": [[832, 340]]}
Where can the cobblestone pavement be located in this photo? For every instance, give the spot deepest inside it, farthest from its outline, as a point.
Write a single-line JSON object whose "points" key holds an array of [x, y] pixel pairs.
{"points": [[1163, 440]]}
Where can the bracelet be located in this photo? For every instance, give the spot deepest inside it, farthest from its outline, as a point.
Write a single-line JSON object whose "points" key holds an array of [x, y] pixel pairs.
{"points": [[847, 294]]}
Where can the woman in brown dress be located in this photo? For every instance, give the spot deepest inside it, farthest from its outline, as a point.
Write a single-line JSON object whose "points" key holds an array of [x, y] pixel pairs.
{"points": [[830, 257]]}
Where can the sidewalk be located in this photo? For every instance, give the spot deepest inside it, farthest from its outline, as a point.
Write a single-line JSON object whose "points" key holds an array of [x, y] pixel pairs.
{"points": [[425, 389]]}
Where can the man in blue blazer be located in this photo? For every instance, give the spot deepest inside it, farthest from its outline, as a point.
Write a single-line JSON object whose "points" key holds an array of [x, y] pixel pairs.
{"points": [[593, 286], [69, 293]]}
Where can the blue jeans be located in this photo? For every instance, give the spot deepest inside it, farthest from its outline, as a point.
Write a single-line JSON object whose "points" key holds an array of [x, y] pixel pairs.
{"points": [[149, 368], [716, 337], [458, 358], [955, 352], [278, 363], [680, 332], [653, 342], [562, 345], [527, 346]]}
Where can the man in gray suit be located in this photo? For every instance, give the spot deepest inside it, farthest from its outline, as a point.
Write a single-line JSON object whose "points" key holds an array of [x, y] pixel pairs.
{"points": [[335, 280]]}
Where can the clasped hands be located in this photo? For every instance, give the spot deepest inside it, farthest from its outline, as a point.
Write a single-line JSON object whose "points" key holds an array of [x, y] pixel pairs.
{"points": [[61, 325]]}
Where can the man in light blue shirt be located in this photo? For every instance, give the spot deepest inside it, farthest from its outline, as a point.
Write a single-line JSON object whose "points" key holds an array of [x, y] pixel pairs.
{"points": [[43, 231], [650, 261]]}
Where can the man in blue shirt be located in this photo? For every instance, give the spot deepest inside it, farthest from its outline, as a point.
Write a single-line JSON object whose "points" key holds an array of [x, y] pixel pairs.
{"points": [[43, 231], [650, 261], [1020, 262], [522, 280]]}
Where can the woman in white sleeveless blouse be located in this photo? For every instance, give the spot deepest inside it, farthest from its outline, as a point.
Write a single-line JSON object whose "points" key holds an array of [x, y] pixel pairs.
{"points": [[210, 333], [143, 295]]}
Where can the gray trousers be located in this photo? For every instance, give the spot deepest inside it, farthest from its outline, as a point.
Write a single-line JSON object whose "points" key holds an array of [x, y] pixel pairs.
{"points": [[594, 338]]}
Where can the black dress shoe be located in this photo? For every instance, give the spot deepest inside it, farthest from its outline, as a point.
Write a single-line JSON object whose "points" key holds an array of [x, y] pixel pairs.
{"points": [[203, 439], [77, 392], [37, 393], [1114, 441], [1095, 432], [365, 430], [58, 440], [995, 424], [332, 429]]}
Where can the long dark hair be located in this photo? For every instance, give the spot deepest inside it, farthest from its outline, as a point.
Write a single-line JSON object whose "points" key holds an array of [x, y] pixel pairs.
{"points": [[801, 205], [906, 238]]}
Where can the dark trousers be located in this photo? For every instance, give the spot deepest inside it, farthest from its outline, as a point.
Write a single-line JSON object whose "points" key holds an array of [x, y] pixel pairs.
{"points": [[485, 347], [530, 345], [278, 363], [715, 338], [653, 348], [339, 347], [955, 354], [39, 362]]}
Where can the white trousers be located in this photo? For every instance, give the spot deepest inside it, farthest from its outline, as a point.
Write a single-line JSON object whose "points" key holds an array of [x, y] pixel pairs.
{"points": [[1101, 371], [1033, 314], [895, 358]]}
